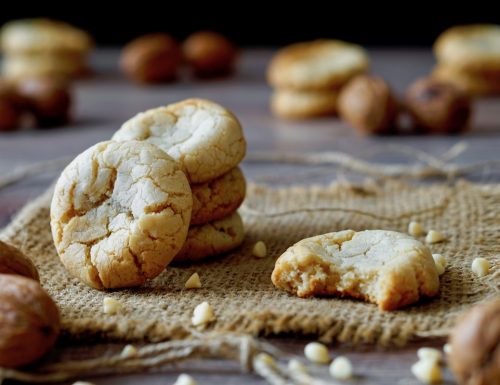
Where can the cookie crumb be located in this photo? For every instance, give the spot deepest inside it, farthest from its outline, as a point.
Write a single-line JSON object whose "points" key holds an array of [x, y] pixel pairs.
{"points": [[341, 368], [202, 314], [317, 353], [434, 236], [193, 282], [415, 229], [129, 351], [111, 305], [427, 371], [429, 354], [480, 267], [185, 379], [297, 366], [267, 359], [259, 249]]}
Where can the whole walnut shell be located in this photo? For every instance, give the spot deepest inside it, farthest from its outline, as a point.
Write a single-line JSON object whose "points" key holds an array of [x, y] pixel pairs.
{"points": [[368, 104], [10, 108], [153, 58], [13, 261], [29, 321], [475, 346], [209, 54], [48, 99], [438, 107]]}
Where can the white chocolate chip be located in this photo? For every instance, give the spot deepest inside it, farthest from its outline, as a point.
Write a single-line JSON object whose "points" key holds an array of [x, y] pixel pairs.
{"points": [[83, 383], [259, 249], [266, 359], [440, 269], [185, 379], [317, 353], [434, 236], [341, 368], [427, 371], [111, 305], [193, 282], [440, 258], [415, 229], [447, 349], [202, 314], [480, 267], [430, 354], [129, 351], [297, 366]]}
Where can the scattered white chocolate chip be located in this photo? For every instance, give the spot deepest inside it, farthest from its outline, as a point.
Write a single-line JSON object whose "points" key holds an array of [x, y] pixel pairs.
{"points": [[185, 379], [193, 282], [341, 368], [447, 348], [83, 383], [440, 258], [259, 249], [266, 359], [427, 371], [317, 353], [129, 351], [415, 229], [202, 314], [297, 366], [111, 305], [434, 236], [430, 354], [480, 267], [440, 269]]}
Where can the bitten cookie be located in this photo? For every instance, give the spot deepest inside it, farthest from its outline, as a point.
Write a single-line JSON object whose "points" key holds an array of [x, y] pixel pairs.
{"points": [[384, 267], [120, 213], [205, 138], [213, 238], [218, 198], [317, 64], [293, 104]]}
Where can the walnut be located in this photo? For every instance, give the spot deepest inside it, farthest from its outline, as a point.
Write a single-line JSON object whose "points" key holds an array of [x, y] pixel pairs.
{"points": [[153, 58], [475, 346], [13, 261], [29, 321], [48, 99], [438, 107], [209, 54], [368, 104]]}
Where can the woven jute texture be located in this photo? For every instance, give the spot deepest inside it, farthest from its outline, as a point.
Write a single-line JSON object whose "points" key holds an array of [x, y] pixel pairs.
{"points": [[238, 285]]}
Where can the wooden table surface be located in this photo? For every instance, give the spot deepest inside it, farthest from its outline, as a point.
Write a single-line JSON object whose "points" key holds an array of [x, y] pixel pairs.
{"points": [[104, 101]]}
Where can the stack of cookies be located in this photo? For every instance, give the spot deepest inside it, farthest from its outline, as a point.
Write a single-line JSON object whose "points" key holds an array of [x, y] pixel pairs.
{"points": [[469, 57], [307, 77], [42, 47], [207, 140]]}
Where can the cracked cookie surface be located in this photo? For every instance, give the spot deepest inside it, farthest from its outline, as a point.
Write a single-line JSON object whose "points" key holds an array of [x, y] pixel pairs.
{"points": [[205, 138], [388, 268], [119, 214], [218, 198], [213, 238]]}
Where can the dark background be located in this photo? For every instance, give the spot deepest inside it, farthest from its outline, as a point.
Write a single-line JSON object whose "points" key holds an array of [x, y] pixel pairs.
{"points": [[272, 23]]}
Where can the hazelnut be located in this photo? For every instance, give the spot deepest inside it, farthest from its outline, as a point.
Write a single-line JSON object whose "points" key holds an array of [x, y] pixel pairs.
{"points": [[368, 104], [48, 99], [13, 261], [209, 54], [29, 321], [153, 58], [475, 346], [438, 107], [10, 109]]}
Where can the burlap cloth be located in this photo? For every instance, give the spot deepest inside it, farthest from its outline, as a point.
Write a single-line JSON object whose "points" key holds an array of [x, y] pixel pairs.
{"points": [[238, 285]]}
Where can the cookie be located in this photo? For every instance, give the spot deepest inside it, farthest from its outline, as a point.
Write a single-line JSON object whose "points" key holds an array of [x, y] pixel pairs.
{"points": [[474, 47], [42, 35], [470, 83], [294, 104], [212, 239], [205, 138], [22, 66], [388, 268], [218, 198], [320, 64], [120, 213]]}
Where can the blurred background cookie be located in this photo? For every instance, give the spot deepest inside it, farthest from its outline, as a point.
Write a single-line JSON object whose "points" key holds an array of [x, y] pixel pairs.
{"points": [[296, 104], [469, 56], [39, 47], [153, 58]]}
